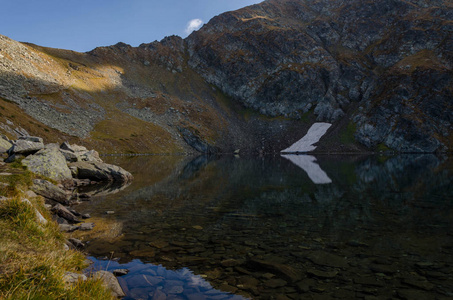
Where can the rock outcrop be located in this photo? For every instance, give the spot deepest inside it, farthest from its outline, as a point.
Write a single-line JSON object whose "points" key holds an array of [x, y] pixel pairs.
{"points": [[50, 191], [65, 162], [27, 145], [48, 162], [386, 64], [5, 145], [99, 171]]}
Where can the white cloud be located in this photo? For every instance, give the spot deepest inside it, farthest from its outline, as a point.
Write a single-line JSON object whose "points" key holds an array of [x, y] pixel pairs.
{"points": [[192, 25]]}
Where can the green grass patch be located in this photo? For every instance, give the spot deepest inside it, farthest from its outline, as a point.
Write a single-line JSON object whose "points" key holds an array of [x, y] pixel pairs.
{"points": [[382, 148], [347, 135]]}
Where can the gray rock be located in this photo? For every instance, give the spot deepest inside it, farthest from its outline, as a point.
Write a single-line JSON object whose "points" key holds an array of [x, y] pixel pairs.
{"points": [[67, 227], [120, 272], [74, 212], [60, 220], [14, 157], [75, 153], [98, 171], [86, 216], [70, 156], [90, 156], [63, 212], [110, 282], [48, 162], [30, 194], [50, 191], [25, 147], [75, 243], [33, 139], [5, 145], [73, 278], [86, 226]]}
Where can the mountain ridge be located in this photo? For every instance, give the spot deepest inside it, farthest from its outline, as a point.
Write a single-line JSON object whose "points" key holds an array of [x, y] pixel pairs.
{"points": [[252, 79]]}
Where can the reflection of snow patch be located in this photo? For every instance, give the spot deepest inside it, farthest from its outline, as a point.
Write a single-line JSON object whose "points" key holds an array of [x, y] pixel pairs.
{"points": [[305, 144], [309, 165]]}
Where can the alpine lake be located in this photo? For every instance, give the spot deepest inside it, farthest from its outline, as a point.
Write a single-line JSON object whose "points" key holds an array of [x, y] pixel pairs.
{"points": [[277, 227]]}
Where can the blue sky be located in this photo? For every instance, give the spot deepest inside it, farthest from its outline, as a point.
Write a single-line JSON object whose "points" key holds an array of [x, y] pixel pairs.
{"points": [[82, 25]]}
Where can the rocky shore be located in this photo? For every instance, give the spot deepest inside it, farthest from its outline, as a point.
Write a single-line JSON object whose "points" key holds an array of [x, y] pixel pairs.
{"points": [[61, 171]]}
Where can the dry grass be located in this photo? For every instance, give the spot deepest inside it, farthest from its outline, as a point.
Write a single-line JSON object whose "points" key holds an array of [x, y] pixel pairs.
{"points": [[33, 260]]}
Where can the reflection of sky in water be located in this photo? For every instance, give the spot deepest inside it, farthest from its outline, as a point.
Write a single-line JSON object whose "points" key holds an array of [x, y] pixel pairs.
{"points": [[149, 281]]}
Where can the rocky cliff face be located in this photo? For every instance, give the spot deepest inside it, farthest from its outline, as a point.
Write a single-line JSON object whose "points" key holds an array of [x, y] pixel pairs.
{"points": [[255, 79], [386, 65]]}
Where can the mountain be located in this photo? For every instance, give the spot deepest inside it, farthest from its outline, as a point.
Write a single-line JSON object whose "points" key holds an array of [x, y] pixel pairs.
{"points": [[384, 65], [254, 79]]}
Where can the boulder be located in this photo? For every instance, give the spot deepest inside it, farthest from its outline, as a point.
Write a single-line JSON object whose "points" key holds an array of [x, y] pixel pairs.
{"points": [[5, 145], [75, 243], [48, 162], [33, 139], [72, 148], [110, 282], [75, 153], [71, 278], [70, 156], [63, 212], [50, 191], [99, 171], [67, 227], [91, 156], [24, 146], [14, 157]]}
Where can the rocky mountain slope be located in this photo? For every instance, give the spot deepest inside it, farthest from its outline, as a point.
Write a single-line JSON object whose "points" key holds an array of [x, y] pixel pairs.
{"points": [[253, 79], [385, 65]]}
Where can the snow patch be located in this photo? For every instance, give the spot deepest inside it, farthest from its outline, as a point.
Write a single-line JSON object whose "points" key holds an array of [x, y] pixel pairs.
{"points": [[305, 144], [309, 165]]}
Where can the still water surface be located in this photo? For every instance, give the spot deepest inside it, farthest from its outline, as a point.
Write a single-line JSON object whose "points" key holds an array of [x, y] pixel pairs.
{"points": [[296, 227]]}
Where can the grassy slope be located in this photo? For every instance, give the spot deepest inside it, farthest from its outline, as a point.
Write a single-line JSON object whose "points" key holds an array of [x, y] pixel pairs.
{"points": [[107, 80], [32, 257]]}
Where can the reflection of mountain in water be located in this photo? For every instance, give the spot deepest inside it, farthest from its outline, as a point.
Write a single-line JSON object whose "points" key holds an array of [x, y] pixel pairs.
{"points": [[103, 188], [211, 210], [208, 190]]}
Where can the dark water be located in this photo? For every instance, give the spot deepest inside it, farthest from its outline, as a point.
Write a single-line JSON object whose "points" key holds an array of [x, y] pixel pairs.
{"points": [[331, 227]]}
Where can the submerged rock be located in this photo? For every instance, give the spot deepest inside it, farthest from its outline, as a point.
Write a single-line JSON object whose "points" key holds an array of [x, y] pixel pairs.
{"points": [[120, 272]]}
